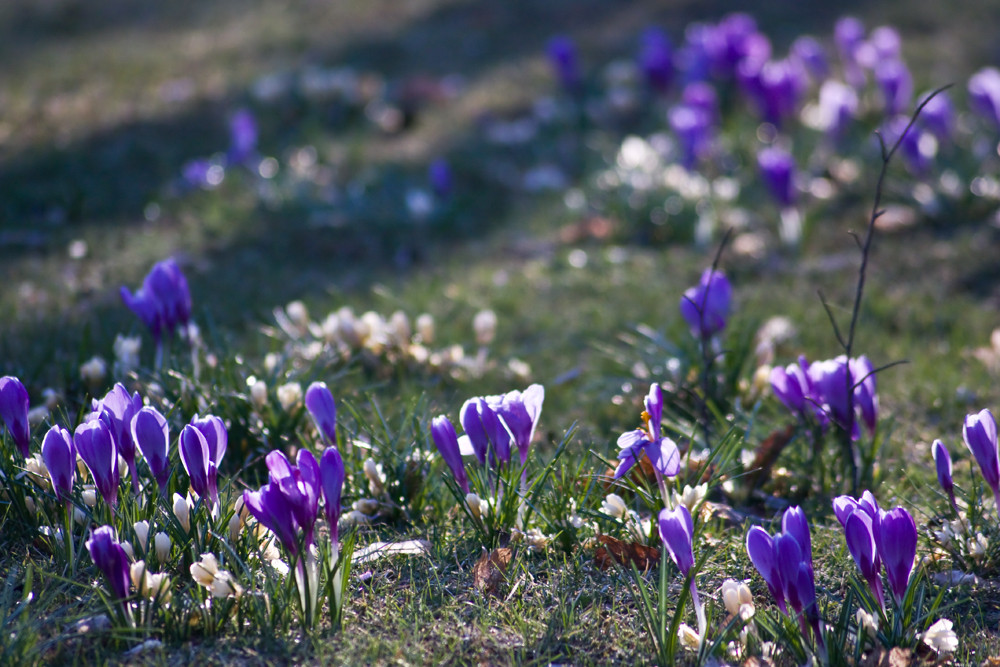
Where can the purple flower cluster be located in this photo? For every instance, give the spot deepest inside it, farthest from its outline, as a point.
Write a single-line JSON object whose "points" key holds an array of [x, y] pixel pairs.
{"points": [[289, 503], [163, 303], [494, 426], [785, 562], [877, 537], [14, 404], [820, 389]]}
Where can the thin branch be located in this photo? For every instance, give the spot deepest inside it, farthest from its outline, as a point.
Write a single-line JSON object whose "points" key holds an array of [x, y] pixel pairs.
{"points": [[833, 320]]}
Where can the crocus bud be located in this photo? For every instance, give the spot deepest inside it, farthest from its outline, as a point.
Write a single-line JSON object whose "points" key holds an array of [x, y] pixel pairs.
{"points": [[203, 572], [182, 510], [942, 461], [425, 328], [289, 395], [151, 435], [477, 506], [896, 83], [162, 545], [564, 60], [331, 472], [141, 529], [14, 405], [258, 393], [446, 441], [980, 435], [96, 446], [676, 532], [89, 497], [984, 94], [777, 166], [116, 410], [111, 560], [485, 326], [198, 464], [94, 371], [737, 598], [760, 548], [897, 546], [59, 453], [373, 472], [320, 403], [614, 506]]}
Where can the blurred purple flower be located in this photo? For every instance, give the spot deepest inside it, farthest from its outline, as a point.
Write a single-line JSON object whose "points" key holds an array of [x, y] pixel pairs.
{"points": [[564, 60], [319, 401], [14, 404], [865, 393], [151, 435], [331, 475], [811, 55], [775, 87], [163, 303], [701, 95], [849, 35], [694, 58], [938, 116], [441, 179], [111, 560], [984, 94], [838, 105], [446, 441], [886, 43], [896, 83], [980, 435], [736, 39], [96, 446], [693, 127], [272, 509], [896, 537], [777, 166], [242, 137], [59, 454], [656, 59], [705, 307]]}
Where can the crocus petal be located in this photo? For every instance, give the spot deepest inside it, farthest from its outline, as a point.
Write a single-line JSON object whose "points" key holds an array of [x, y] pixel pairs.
{"points": [[843, 507], [980, 435], [676, 532], [795, 523], [151, 434], [760, 548], [331, 472], [632, 445], [789, 558], [446, 441], [706, 307], [196, 460], [665, 456], [896, 538], [59, 454], [654, 408], [271, 508], [14, 404], [942, 462], [319, 402], [96, 446], [860, 537], [215, 434]]}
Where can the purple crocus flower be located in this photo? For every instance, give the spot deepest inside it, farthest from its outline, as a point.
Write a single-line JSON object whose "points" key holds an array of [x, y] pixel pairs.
{"points": [[242, 137], [830, 380], [331, 475], [811, 55], [706, 306], [272, 509], [195, 174], [886, 43], [662, 452], [735, 40], [896, 83], [694, 57], [563, 57], [777, 166], [797, 577], [199, 465], [795, 523], [59, 454], [216, 436], [484, 431], [441, 179], [896, 538], [446, 441], [938, 116], [838, 105], [163, 302], [789, 385], [859, 531], [980, 435], [110, 559], [775, 86], [984, 94], [116, 410], [14, 404], [520, 412], [151, 435], [677, 533], [319, 402], [701, 95], [96, 446], [300, 484], [693, 127], [849, 35], [760, 548], [942, 462], [656, 59]]}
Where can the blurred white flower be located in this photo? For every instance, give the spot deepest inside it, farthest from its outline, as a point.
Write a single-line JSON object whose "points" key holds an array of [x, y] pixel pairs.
{"points": [[690, 497], [126, 354], [37, 415], [399, 330], [485, 326], [182, 510], [737, 598], [978, 546], [376, 478], [477, 506], [941, 637], [867, 623], [93, 371], [425, 328], [258, 392], [614, 506], [289, 395], [689, 637]]}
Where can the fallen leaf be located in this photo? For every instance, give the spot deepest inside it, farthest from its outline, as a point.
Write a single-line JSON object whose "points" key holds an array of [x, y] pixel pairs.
{"points": [[488, 573], [896, 657], [767, 455], [614, 551]]}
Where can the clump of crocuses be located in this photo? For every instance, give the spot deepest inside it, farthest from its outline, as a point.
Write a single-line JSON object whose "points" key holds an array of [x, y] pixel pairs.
{"points": [[784, 560], [163, 303], [819, 390]]}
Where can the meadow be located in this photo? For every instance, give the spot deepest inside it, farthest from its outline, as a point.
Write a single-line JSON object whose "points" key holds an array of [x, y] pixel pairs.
{"points": [[463, 332]]}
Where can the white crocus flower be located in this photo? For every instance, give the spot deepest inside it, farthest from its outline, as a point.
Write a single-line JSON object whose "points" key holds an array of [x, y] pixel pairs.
{"points": [[941, 637]]}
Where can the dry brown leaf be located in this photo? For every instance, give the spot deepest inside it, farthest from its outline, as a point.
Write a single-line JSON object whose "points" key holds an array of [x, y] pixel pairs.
{"points": [[614, 551], [488, 573], [757, 662], [895, 657], [767, 455]]}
